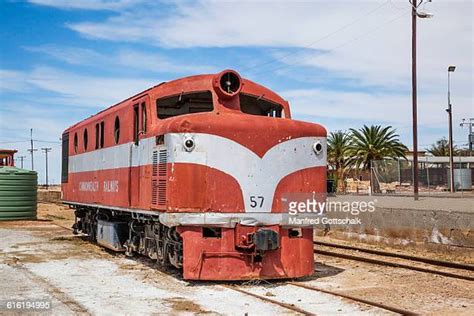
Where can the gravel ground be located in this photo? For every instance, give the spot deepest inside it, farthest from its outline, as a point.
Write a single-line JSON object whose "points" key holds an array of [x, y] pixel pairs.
{"points": [[39, 260], [82, 278]]}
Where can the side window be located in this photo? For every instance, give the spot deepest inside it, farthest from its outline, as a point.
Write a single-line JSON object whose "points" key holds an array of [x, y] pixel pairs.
{"points": [[75, 143], [117, 130], [86, 139], [102, 134], [135, 124], [144, 120], [184, 103], [258, 106], [97, 136]]}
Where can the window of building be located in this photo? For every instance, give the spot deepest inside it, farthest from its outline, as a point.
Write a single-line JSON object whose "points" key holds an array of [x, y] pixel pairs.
{"points": [[75, 143], [117, 130], [86, 139], [184, 103], [254, 105]]}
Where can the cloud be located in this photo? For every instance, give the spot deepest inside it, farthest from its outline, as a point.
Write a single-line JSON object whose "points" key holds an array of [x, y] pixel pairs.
{"points": [[224, 24], [123, 58], [70, 55], [87, 4], [70, 89], [12, 80], [383, 58], [364, 43], [380, 107]]}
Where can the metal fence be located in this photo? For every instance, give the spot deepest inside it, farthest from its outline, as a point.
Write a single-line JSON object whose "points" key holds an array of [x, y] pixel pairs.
{"points": [[396, 177]]}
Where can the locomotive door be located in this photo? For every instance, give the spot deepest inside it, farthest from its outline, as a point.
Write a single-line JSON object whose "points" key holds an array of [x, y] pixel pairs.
{"points": [[139, 152]]}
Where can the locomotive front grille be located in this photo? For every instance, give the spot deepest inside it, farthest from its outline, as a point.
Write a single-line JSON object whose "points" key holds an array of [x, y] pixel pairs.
{"points": [[159, 178], [155, 164], [162, 163]]}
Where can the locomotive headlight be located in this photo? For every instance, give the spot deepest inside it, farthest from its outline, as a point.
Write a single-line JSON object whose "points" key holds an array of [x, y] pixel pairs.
{"points": [[227, 84], [189, 144], [318, 148]]}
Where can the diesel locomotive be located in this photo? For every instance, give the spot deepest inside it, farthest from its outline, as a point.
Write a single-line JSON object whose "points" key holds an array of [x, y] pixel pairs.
{"points": [[192, 172]]}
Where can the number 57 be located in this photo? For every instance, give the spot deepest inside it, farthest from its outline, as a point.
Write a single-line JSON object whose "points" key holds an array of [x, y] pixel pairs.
{"points": [[256, 200]]}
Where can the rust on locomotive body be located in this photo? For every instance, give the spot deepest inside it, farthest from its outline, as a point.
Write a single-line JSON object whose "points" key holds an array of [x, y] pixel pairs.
{"points": [[192, 172]]}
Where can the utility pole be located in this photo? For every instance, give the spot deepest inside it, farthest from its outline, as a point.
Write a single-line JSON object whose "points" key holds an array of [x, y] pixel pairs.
{"points": [[450, 123], [414, 14], [32, 149], [21, 160], [414, 101], [46, 151]]}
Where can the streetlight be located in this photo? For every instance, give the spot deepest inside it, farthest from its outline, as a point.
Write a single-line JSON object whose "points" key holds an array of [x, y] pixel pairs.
{"points": [[422, 15], [450, 121]]}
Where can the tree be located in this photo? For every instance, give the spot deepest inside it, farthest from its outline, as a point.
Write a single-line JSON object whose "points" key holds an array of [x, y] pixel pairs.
{"points": [[441, 148], [338, 145], [374, 143]]}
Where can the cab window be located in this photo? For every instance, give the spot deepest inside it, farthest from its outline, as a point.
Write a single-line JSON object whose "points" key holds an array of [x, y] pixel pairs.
{"points": [[184, 103], [255, 105]]}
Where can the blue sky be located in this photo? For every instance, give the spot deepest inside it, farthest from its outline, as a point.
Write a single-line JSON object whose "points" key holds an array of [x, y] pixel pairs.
{"points": [[339, 63]]}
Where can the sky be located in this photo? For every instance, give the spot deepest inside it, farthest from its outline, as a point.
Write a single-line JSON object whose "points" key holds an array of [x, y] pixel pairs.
{"points": [[341, 64]]}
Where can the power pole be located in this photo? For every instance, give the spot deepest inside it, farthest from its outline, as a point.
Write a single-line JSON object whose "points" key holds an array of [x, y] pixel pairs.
{"points": [[21, 160], [450, 126], [414, 101], [423, 15], [32, 149], [46, 151]]}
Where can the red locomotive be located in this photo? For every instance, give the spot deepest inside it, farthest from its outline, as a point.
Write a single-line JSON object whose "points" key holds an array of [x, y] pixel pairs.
{"points": [[192, 173]]}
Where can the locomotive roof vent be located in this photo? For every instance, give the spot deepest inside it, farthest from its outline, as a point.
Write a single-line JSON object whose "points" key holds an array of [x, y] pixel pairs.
{"points": [[227, 84]]}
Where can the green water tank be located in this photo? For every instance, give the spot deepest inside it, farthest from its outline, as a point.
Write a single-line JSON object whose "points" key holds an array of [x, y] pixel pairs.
{"points": [[17, 193]]}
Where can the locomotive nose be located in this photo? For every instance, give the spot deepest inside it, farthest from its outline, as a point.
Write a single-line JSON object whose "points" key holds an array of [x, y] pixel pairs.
{"points": [[244, 163]]}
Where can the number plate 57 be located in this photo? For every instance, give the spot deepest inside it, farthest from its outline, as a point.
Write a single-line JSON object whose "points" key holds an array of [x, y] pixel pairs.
{"points": [[256, 201]]}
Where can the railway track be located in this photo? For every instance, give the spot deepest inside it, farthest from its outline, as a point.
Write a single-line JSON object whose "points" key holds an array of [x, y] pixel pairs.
{"points": [[411, 260], [397, 310], [269, 300], [299, 310]]}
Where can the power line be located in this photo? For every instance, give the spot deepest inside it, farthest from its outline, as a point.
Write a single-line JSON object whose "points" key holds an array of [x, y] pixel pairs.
{"points": [[300, 49], [14, 141], [24, 141], [334, 48]]}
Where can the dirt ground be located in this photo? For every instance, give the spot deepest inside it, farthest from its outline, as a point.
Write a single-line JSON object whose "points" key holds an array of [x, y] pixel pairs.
{"points": [[42, 261]]}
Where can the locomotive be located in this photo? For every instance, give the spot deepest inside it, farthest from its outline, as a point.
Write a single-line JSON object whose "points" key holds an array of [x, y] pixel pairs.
{"points": [[191, 173]]}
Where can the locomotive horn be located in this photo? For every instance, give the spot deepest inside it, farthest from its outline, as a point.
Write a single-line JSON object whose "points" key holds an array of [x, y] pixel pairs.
{"points": [[227, 83]]}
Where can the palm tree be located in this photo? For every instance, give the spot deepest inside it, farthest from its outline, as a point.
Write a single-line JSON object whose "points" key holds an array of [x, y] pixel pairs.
{"points": [[374, 143], [338, 145], [441, 148]]}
